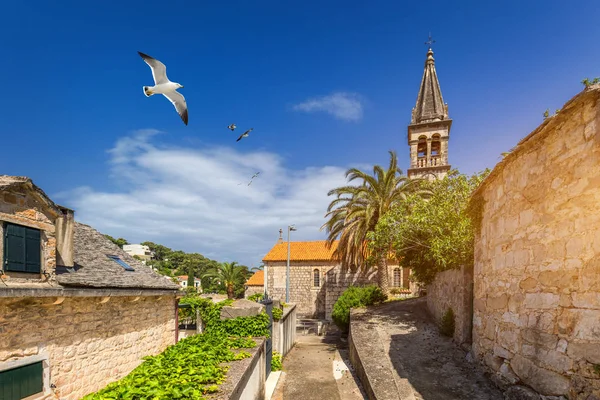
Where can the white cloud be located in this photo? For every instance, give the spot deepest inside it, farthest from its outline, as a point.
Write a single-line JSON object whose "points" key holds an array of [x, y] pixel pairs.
{"points": [[197, 199], [342, 105]]}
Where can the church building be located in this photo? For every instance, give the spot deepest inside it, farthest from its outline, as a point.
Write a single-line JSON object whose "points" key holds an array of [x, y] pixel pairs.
{"points": [[316, 276], [429, 128]]}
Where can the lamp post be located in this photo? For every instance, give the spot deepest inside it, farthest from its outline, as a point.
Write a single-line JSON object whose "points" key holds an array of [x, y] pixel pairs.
{"points": [[287, 270]]}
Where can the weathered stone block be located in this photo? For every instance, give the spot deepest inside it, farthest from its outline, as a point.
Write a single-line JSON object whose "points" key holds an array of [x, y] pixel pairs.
{"points": [[542, 380], [541, 301], [499, 302]]}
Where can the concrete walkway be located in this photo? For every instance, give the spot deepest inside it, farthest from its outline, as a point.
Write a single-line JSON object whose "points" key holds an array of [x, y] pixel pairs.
{"points": [[318, 368], [405, 357]]}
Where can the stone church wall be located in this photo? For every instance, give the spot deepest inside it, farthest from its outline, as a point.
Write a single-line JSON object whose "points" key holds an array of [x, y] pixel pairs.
{"points": [[453, 289], [537, 258], [313, 301]]}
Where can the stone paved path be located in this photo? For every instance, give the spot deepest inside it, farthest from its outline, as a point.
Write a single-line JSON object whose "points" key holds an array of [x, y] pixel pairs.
{"points": [[422, 361], [316, 368]]}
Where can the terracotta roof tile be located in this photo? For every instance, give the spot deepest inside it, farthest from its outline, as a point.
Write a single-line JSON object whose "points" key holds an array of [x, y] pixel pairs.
{"points": [[302, 251], [258, 279]]}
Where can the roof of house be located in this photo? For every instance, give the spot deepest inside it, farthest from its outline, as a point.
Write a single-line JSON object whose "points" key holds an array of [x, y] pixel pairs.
{"points": [[94, 269], [185, 278], [9, 181], [258, 279], [317, 250]]}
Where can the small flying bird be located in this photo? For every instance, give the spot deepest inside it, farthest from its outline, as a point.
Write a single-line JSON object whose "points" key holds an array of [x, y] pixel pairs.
{"points": [[232, 127], [245, 134], [253, 176], [162, 85]]}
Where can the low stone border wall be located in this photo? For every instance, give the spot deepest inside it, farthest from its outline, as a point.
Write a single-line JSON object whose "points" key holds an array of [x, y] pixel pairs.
{"points": [[376, 377], [245, 378], [284, 331]]}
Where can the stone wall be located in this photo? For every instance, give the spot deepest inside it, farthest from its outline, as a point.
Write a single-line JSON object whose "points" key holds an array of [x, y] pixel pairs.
{"points": [[250, 290], [339, 280], [537, 257], [18, 206], [311, 301], [453, 289], [89, 343]]}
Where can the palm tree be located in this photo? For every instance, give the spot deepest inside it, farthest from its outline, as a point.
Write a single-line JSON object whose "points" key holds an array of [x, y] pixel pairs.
{"points": [[356, 209], [229, 274]]}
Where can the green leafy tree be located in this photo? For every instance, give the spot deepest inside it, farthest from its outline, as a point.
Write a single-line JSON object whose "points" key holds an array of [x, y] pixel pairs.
{"points": [[119, 242], [160, 252], [434, 234], [228, 274], [355, 211]]}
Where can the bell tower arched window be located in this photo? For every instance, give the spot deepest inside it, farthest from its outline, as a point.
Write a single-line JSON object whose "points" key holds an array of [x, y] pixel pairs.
{"points": [[422, 147], [436, 145]]}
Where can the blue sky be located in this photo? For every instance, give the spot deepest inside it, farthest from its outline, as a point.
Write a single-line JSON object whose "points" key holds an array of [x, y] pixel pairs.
{"points": [[75, 120]]}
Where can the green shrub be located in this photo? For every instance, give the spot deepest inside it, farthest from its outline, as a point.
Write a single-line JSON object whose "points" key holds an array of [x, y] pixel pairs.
{"points": [[276, 362], [447, 324], [186, 370], [256, 297], [354, 297], [192, 367], [277, 314]]}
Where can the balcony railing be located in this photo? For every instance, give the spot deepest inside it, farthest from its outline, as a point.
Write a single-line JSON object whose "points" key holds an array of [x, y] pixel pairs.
{"points": [[434, 161]]}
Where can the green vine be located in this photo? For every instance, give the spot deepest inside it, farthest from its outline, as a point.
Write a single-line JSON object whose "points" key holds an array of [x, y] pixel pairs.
{"points": [[276, 362], [194, 366]]}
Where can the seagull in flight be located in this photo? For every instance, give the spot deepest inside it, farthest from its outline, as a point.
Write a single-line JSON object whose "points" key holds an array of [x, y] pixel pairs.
{"points": [[245, 134], [162, 85], [253, 176], [232, 127]]}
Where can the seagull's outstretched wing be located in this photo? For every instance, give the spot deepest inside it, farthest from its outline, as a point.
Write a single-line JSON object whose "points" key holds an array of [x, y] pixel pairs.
{"points": [[180, 105], [159, 70], [241, 136]]}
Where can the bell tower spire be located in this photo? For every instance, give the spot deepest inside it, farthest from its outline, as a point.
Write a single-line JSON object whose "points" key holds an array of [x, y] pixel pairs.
{"points": [[429, 129]]}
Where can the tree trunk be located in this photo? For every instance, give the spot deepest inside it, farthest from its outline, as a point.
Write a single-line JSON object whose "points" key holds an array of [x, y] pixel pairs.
{"points": [[382, 275], [229, 291]]}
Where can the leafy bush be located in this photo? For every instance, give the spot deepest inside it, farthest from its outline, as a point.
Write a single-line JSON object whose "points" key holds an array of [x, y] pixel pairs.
{"points": [[192, 367], [186, 370], [256, 297], [277, 313], [355, 297], [447, 324], [276, 362]]}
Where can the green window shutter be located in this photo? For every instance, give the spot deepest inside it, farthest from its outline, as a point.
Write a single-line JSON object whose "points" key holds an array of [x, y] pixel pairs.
{"points": [[33, 257], [22, 249], [21, 382], [14, 246]]}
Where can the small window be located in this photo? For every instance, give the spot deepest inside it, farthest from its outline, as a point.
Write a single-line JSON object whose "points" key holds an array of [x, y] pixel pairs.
{"points": [[316, 278], [396, 282], [121, 263], [21, 382], [22, 249]]}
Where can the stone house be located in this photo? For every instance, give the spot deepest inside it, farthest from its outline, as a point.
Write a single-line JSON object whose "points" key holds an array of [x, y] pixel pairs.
{"points": [[139, 251], [536, 302], [316, 277], [183, 282], [76, 311], [255, 284]]}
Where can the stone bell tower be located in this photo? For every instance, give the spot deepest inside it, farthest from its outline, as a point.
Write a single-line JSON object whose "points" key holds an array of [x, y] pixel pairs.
{"points": [[429, 129]]}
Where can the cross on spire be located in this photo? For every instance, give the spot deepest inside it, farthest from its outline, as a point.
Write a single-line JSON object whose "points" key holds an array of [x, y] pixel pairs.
{"points": [[430, 41]]}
